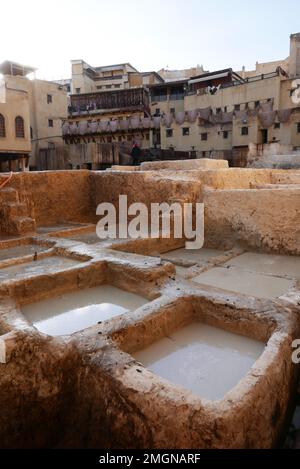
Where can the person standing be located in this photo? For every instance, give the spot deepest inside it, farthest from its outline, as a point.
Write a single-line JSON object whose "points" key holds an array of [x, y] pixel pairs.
{"points": [[135, 153]]}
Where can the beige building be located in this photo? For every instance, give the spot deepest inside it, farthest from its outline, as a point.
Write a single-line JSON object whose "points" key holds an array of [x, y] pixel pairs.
{"points": [[31, 117], [87, 79], [103, 125], [222, 114], [184, 74], [109, 112], [15, 139]]}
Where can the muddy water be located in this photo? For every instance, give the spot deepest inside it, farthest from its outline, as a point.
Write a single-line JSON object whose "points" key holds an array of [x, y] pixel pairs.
{"points": [[78, 310], [248, 283], [192, 256], [204, 359], [20, 251], [39, 267], [277, 265], [88, 238]]}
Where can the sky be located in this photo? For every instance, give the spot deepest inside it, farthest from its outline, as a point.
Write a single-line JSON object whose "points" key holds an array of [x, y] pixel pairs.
{"points": [[150, 34]]}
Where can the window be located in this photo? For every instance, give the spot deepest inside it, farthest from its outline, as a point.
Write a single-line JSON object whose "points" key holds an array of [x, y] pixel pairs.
{"points": [[78, 90], [237, 107], [108, 87], [203, 154], [185, 131], [244, 131], [49, 98], [225, 108], [225, 134], [298, 127], [172, 110], [204, 136], [50, 122], [19, 126], [31, 133], [2, 126], [218, 110], [117, 86], [99, 87], [169, 133], [157, 111], [68, 88], [277, 125]]}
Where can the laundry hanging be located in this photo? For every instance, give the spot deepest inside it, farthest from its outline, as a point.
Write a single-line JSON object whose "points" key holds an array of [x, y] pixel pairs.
{"points": [[241, 115], [93, 127], [124, 124], [156, 122], [226, 117], [66, 128], [267, 107], [205, 113], [180, 117], [135, 122], [146, 123], [168, 120], [113, 125], [284, 115], [192, 115], [267, 119], [103, 126]]}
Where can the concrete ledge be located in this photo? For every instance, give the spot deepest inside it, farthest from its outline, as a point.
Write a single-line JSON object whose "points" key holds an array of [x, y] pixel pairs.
{"points": [[203, 163]]}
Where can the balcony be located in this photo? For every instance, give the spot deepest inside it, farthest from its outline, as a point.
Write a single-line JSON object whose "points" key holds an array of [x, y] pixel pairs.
{"points": [[134, 99]]}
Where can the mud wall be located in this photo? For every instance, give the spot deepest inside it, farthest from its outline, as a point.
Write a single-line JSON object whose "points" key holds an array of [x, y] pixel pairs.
{"points": [[265, 219], [54, 196]]}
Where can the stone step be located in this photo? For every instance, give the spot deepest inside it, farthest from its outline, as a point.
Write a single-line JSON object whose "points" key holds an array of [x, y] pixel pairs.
{"points": [[9, 195], [14, 209], [21, 225]]}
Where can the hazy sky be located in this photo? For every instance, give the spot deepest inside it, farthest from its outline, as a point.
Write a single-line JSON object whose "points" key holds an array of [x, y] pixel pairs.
{"points": [[150, 34]]}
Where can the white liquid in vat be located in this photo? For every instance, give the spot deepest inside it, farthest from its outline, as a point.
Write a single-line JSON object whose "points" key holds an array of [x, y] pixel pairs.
{"points": [[206, 360], [20, 251], [75, 311], [43, 266]]}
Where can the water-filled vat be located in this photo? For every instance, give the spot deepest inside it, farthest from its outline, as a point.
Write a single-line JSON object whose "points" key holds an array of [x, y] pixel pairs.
{"points": [[206, 360], [75, 311]]}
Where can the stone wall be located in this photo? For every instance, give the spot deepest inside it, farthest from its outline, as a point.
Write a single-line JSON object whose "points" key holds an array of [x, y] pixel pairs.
{"points": [[266, 219]]}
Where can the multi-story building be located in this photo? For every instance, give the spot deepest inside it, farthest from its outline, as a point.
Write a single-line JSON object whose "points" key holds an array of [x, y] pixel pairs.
{"points": [[31, 116], [103, 124], [108, 112], [87, 79], [15, 139], [222, 114]]}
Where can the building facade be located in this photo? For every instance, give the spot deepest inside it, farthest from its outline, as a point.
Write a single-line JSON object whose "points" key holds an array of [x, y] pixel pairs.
{"points": [[87, 79], [31, 116], [225, 115]]}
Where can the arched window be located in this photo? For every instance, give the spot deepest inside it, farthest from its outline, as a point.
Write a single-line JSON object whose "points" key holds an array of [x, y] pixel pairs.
{"points": [[2, 126], [19, 123]]}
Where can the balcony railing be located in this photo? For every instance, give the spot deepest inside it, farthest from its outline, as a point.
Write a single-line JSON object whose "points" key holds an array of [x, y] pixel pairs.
{"points": [[131, 99], [167, 97]]}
